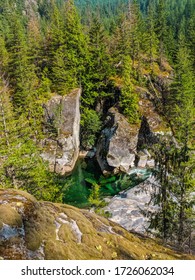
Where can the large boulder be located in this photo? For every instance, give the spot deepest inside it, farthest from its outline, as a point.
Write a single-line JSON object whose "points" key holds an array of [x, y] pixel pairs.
{"points": [[47, 231], [130, 208], [117, 146], [62, 127]]}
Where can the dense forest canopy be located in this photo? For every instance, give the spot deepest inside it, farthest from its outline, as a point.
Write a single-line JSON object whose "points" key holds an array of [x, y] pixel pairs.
{"points": [[112, 49]]}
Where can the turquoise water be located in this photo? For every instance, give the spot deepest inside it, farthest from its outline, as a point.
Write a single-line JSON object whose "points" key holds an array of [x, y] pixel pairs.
{"points": [[87, 173]]}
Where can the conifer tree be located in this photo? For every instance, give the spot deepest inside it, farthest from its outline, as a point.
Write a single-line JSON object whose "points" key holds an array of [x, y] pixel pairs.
{"points": [[182, 98], [161, 27], [57, 52], [152, 41], [21, 165], [177, 169], [66, 48], [129, 99], [136, 32], [164, 221], [4, 56], [191, 37], [96, 84], [23, 79], [21, 72], [76, 49], [183, 115], [34, 42]]}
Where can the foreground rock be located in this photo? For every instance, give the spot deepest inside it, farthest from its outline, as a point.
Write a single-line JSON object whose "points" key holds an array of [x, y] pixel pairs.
{"points": [[117, 145], [132, 208], [62, 127], [43, 230]]}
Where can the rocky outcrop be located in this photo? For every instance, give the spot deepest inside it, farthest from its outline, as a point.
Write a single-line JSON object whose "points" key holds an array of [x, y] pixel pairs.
{"points": [[130, 208], [117, 146], [62, 127], [122, 145], [152, 124], [145, 159], [35, 230]]}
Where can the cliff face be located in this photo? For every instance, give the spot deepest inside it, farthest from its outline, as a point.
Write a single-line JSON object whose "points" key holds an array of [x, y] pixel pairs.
{"points": [[117, 145], [41, 230], [122, 145], [62, 127]]}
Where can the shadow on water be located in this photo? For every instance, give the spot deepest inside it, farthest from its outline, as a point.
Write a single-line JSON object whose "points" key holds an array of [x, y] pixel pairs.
{"points": [[88, 173]]}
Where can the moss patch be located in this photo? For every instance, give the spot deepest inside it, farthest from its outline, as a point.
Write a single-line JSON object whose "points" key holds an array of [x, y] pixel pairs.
{"points": [[44, 222], [66, 234], [10, 216], [39, 226]]}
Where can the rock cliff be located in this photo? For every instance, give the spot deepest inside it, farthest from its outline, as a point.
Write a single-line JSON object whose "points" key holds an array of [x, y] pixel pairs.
{"points": [[122, 145], [117, 145], [41, 230], [62, 127]]}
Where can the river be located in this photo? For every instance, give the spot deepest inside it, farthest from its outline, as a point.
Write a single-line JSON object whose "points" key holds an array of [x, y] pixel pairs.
{"points": [[87, 173]]}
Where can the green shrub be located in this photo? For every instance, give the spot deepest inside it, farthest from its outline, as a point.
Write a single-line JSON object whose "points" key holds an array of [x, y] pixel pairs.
{"points": [[90, 126]]}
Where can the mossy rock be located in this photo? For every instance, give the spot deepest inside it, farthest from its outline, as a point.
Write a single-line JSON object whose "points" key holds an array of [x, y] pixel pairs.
{"points": [[33, 239], [66, 234], [39, 227], [52, 231], [11, 193], [10, 216], [53, 251]]}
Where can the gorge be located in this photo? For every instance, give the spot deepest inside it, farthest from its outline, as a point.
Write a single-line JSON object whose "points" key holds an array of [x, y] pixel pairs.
{"points": [[97, 110]]}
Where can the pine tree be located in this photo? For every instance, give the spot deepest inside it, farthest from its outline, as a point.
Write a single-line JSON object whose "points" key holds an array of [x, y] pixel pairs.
{"points": [[57, 52], [136, 32], [183, 115], [161, 27], [96, 83], [164, 221], [23, 79], [176, 162], [4, 56], [182, 98], [35, 44], [191, 36], [7, 129], [76, 49], [66, 48], [21, 72], [21, 165], [90, 126], [129, 99], [152, 40]]}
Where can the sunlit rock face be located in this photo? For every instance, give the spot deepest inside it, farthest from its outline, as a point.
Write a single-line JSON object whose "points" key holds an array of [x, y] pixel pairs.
{"points": [[117, 145], [42, 230], [123, 146], [62, 127], [132, 208]]}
